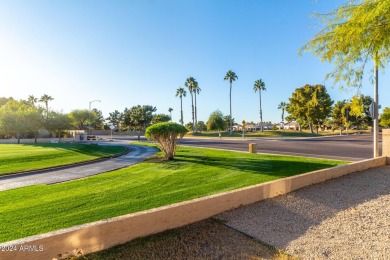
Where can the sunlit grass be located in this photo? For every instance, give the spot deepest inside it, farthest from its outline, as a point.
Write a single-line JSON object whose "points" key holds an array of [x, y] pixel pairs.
{"points": [[25, 157]]}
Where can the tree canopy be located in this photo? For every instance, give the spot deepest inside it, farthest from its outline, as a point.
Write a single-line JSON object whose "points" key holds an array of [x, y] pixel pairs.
{"points": [[353, 34], [17, 118], [385, 117], [159, 118], [166, 135], [310, 105], [139, 117], [216, 121]]}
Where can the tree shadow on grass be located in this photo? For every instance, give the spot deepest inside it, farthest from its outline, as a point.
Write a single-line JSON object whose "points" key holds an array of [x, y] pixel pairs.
{"points": [[88, 149]]}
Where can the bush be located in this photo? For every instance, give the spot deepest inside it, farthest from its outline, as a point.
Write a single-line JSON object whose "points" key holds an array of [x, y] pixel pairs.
{"points": [[166, 135]]}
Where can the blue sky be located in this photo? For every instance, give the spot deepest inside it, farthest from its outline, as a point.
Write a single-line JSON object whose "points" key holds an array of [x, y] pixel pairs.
{"points": [[126, 53]]}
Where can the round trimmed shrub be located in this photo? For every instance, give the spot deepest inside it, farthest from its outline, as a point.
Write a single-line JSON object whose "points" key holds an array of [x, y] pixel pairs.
{"points": [[166, 134]]}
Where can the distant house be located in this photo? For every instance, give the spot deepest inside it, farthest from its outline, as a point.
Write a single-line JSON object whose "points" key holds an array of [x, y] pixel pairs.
{"points": [[252, 128], [289, 125]]}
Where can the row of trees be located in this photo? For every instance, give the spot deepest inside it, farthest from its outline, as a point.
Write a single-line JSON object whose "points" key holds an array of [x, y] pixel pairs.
{"points": [[24, 118], [311, 107], [193, 87]]}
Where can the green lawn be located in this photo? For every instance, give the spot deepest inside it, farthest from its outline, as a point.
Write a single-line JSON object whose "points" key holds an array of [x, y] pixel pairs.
{"points": [[24, 157], [194, 173], [270, 133]]}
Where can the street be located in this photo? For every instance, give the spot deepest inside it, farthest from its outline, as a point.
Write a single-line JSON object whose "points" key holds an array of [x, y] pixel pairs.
{"points": [[351, 147]]}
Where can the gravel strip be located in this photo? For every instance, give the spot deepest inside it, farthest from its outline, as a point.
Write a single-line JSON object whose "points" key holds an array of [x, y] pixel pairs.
{"points": [[344, 218]]}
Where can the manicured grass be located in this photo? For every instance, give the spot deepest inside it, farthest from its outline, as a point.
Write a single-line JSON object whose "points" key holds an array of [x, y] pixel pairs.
{"points": [[270, 133], [194, 173], [25, 157]]}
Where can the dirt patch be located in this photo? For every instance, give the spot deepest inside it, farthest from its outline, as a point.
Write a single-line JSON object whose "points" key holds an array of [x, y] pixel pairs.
{"points": [[208, 239]]}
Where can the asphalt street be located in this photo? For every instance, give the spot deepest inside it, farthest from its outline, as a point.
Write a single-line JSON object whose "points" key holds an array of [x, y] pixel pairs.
{"points": [[351, 148]]}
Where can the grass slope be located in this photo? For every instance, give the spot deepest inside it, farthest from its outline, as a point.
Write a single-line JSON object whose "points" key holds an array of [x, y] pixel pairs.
{"points": [[24, 157], [194, 173]]}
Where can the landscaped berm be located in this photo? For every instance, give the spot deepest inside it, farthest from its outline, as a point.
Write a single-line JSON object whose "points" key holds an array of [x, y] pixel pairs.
{"points": [[194, 173]]}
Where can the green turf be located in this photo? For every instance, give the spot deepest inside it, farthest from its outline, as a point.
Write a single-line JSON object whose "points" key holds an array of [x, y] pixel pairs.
{"points": [[194, 173], [24, 157]]}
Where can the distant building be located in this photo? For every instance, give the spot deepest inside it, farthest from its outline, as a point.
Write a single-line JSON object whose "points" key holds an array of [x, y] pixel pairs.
{"points": [[289, 125], [253, 128]]}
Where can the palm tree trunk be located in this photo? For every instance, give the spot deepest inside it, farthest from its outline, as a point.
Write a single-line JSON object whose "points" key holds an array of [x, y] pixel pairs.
{"points": [[47, 110], [261, 113], [196, 115], [230, 96], [192, 103], [181, 109]]}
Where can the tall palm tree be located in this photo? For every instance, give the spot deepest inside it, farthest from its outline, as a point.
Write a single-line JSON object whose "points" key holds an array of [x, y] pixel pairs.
{"points": [[259, 86], [190, 84], [231, 76], [45, 99], [196, 90], [180, 92], [282, 106], [32, 100], [170, 112]]}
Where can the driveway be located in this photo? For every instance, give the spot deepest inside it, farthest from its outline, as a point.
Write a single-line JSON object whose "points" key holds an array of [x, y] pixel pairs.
{"points": [[137, 154]]}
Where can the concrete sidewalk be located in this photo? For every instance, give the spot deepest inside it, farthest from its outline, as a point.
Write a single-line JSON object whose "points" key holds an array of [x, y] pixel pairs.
{"points": [[137, 154]]}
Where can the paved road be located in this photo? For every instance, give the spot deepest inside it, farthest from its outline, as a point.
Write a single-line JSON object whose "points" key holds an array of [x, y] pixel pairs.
{"points": [[136, 154], [351, 147]]}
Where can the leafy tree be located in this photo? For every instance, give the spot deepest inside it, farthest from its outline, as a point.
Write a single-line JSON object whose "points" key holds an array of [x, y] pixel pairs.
{"points": [[45, 99], [230, 76], [385, 117], [216, 121], [227, 120], [353, 34], [260, 86], [202, 126], [58, 122], [189, 126], [159, 118], [166, 135], [4, 100], [81, 117], [359, 111], [17, 118], [139, 117], [339, 115], [115, 118], [180, 92], [311, 105], [98, 121], [191, 85]]}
